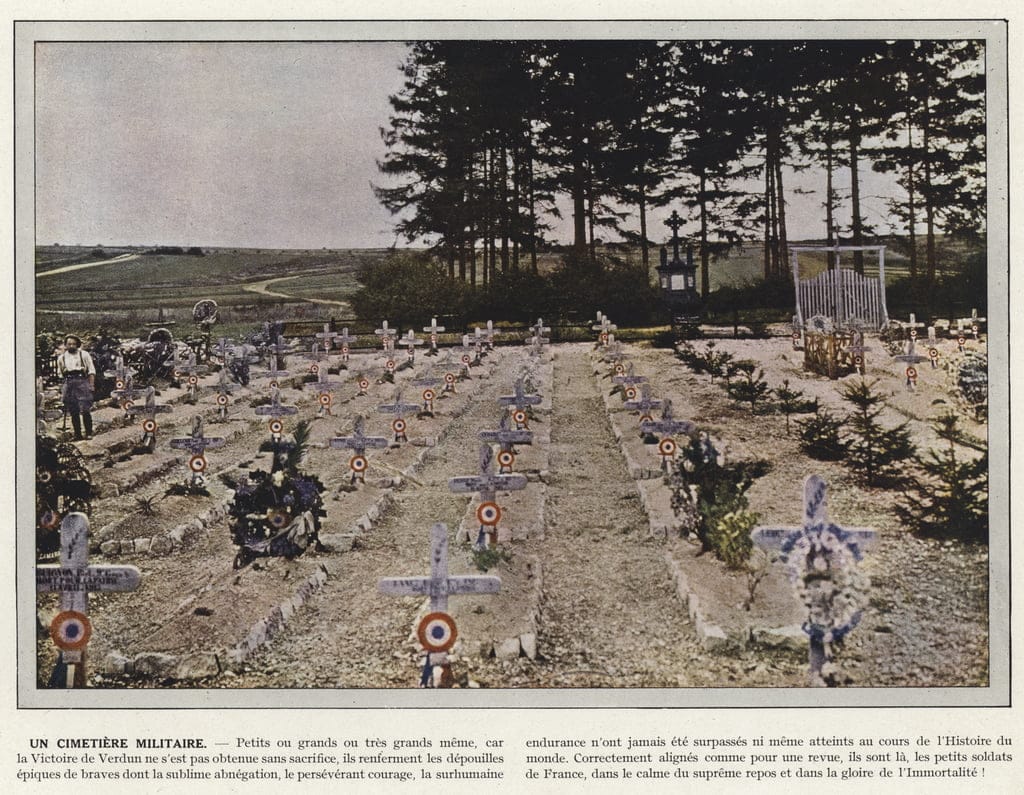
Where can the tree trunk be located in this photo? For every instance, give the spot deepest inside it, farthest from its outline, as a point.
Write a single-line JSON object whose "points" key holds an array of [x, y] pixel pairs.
{"points": [[516, 202], [781, 204], [705, 280], [857, 227], [830, 220], [644, 253], [579, 205], [531, 199], [504, 209], [767, 216], [911, 203]]}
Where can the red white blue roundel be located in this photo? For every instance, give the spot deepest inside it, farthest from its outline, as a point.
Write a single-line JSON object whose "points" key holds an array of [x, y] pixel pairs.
{"points": [[933, 353], [344, 349], [364, 384], [222, 399], [357, 463], [274, 385], [70, 630], [49, 520], [620, 369], [193, 380], [197, 463], [437, 632], [911, 373], [506, 458], [325, 399], [465, 358], [398, 426], [961, 339], [449, 378], [149, 426], [519, 416], [314, 369], [631, 393], [667, 447], [913, 333], [127, 404], [488, 513], [428, 395], [276, 426], [390, 364], [119, 384]]}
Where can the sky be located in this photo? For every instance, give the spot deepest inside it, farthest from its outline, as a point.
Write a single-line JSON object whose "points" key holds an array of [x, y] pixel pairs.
{"points": [[246, 144]]}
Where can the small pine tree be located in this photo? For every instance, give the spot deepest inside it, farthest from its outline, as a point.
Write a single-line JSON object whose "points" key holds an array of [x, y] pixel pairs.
{"points": [[751, 387], [821, 436], [951, 500], [875, 453], [792, 401]]}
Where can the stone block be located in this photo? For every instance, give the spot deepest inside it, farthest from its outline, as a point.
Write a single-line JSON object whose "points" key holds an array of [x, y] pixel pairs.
{"points": [[789, 637], [507, 649], [528, 643], [110, 548], [115, 664], [154, 664], [142, 545], [197, 666], [161, 545]]}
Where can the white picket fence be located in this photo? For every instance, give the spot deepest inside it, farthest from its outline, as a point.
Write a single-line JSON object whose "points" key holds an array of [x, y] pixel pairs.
{"points": [[842, 294]]}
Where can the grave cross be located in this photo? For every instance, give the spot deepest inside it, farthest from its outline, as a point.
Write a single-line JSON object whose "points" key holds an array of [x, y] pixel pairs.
{"points": [[521, 401], [911, 358], [489, 335], [316, 355], [275, 411], [326, 337], [428, 381], [858, 349], [913, 325], [644, 404], [121, 371], [629, 379], [468, 360], [126, 393], [666, 427], [74, 578], [437, 628], [674, 222], [821, 556], [410, 341], [604, 327], [486, 484], [385, 335], [505, 436], [537, 338], [197, 444], [323, 386], [345, 340], [273, 373], [223, 349], [150, 409], [434, 330], [192, 371], [615, 352], [224, 388], [357, 442], [479, 341], [399, 409]]}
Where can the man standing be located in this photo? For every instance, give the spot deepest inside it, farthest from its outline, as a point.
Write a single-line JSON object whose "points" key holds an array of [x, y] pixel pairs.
{"points": [[79, 373]]}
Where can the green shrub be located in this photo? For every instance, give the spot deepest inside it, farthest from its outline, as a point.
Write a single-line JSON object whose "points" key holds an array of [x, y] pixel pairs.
{"points": [[750, 387], [951, 499], [407, 289], [875, 453], [821, 437], [731, 539]]}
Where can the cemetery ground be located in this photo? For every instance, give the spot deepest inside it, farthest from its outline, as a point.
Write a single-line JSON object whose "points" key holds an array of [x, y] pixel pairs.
{"points": [[598, 589]]}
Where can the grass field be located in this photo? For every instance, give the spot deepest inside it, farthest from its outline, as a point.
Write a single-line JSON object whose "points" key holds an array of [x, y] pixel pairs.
{"points": [[126, 296]]}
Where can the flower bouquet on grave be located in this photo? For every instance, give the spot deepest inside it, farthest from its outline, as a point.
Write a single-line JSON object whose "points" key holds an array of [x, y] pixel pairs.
{"points": [[277, 513], [63, 485]]}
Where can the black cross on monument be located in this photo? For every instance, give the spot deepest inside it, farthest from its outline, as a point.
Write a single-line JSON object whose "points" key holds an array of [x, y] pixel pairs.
{"points": [[74, 578], [818, 555]]}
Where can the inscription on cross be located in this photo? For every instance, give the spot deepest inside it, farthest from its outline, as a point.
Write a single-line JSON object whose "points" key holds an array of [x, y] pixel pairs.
{"points": [[437, 630], [358, 443], [74, 579], [519, 403], [822, 558], [629, 378], [507, 437]]}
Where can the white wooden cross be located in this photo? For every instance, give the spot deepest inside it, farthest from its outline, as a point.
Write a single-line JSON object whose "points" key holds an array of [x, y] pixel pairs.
{"points": [[121, 371], [822, 558], [273, 373], [614, 353], [150, 409], [196, 444], [439, 586], [410, 340], [666, 427], [429, 381], [399, 409], [316, 354], [520, 399], [629, 379], [489, 335], [326, 337], [468, 360], [276, 409], [224, 388], [604, 327], [858, 349], [913, 326], [911, 358], [358, 442], [345, 340], [537, 338], [74, 578], [433, 329], [127, 393], [505, 436], [323, 386], [486, 484], [385, 335]]}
